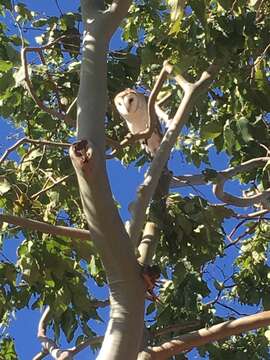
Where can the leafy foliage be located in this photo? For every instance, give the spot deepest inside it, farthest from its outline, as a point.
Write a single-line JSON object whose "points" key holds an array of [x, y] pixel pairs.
{"points": [[233, 119]]}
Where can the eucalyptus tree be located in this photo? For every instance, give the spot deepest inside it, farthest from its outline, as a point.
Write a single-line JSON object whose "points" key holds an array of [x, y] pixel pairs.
{"points": [[205, 65]]}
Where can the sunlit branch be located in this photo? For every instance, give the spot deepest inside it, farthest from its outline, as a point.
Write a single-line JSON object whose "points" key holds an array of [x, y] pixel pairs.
{"points": [[252, 215], [44, 227], [146, 190], [211, 334], [220, 178], [49, 347], [226, 175]]}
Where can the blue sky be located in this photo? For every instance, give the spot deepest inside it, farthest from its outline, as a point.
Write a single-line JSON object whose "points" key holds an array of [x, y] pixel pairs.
{"points": [[124, 182]]}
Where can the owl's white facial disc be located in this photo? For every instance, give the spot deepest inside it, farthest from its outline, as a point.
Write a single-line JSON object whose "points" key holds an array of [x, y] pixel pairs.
{"points": [[126, 104]]}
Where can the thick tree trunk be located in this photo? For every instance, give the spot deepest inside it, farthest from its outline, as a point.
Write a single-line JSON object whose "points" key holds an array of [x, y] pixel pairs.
{"points": [[123, 335]]}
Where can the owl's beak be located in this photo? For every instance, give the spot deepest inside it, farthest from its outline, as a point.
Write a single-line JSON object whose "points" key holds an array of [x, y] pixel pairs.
{"points": [[128, 101]]}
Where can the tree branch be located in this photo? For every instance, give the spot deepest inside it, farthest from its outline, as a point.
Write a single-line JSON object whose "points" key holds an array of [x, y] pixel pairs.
{"points": [[117, 11], [146, 190], [51, 348], [55, 183], [58, 114], [225, 175], [105, 225], [154, 224], [205, 336], [45, 227], [221, 177], [188, 180], [26, 140]]}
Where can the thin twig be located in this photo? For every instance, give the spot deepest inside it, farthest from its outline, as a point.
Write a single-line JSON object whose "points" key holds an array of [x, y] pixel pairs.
{"points": [[39, 103], [262, 56], [58, 7], [245, 233], [229, 237], [231, 308], [44, 190], [27, 140]]}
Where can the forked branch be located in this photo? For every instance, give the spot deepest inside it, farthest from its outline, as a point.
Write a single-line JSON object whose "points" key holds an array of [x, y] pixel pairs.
{"points": [[49, 347], [146, 190], [220, 178], [225, 175]]}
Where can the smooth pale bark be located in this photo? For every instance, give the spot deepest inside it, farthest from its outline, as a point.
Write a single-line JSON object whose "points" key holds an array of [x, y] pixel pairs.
{"points": [[147, 189], [124, 332], [44, 227], [204, 336]]}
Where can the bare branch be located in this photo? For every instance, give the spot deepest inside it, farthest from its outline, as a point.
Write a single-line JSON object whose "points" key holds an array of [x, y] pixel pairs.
{"points": [[26, 140], [50, 347], [205, 336], [41, 355], [117, 253], [248, 231], [58, 7], [45, 227], [154, 224], [225, 175]]}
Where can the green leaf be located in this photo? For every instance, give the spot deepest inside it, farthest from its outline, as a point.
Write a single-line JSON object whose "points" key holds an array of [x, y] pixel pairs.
{"points": [[4, 186], [40, 22], [211, 130], [226, 4], [6, 80], [7, 349], [229, 137], [5, 65], [69, 324], [243, 129]]}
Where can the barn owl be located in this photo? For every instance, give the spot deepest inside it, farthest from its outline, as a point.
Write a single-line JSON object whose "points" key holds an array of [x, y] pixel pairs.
{"points": [[132, 106]]}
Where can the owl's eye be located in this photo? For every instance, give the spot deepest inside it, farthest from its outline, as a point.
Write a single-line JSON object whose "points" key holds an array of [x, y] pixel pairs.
{"points": [[120, 104], [130, 100]]}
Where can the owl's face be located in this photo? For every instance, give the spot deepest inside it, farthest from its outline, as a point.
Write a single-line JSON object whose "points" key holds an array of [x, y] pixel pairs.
{"points": [[127, 102]]}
